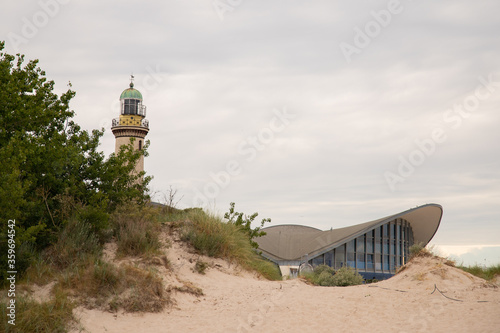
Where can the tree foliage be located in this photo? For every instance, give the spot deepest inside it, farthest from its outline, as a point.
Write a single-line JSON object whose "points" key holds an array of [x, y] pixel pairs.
{"points": [[50, 168], [245, 223]]}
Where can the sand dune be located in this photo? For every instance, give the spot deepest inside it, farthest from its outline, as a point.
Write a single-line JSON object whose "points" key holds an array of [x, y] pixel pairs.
{"points": [[238, 301]]}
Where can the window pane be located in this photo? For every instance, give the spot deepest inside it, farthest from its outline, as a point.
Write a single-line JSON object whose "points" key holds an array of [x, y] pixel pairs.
{"points": [[386, 246], [339, 257], [350, 246], [378, 262], [378, 246], [392, 263], [369, 245], [350, 259], [386, 263], [360, 263], [329, 258], [369, 262], [317, 261], [385, 230], [360, 244]]}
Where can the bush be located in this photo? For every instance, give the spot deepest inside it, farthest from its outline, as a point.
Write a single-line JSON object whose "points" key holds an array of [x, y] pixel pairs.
{"points": [[326, 276], [210, 236], [347, 276]]}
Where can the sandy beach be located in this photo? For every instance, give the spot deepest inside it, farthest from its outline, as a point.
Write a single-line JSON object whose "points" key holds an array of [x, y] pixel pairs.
{"points": [[427, 296]]}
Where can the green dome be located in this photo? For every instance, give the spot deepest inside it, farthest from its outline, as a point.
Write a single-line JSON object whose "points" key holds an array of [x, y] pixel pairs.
{"points": [[131, 93]]}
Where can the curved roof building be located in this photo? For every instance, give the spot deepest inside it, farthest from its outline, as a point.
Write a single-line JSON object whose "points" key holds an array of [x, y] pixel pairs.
{"points": [[376, 248]]}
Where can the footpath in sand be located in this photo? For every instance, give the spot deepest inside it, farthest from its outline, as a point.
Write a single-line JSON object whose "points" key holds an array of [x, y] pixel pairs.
{"points": [[427, 296]]}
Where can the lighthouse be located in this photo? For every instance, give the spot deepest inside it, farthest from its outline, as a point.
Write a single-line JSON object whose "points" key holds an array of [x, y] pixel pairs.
{"points": [[132, 122]]}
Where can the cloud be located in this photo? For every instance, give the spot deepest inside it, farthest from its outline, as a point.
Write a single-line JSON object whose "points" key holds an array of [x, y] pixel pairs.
{"points": [[219, 82]]}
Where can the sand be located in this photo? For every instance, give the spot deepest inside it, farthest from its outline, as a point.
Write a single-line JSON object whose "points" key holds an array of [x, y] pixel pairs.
{"points": [[238, 301]]}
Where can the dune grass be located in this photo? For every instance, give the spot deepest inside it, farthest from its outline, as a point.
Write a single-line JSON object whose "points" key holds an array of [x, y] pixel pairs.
{"points": [[487, 273], [136, 230], [75, 263], [53, 316], [211, 236]]}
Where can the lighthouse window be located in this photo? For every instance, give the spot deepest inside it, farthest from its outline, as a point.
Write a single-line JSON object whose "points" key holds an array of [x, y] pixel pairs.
{"points": [[130, 106]]}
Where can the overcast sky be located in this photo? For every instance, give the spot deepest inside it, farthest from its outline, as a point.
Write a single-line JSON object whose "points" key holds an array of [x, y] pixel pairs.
{"points": [[324, 113]]}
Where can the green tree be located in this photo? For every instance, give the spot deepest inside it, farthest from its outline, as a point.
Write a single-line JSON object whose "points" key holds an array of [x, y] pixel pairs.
{"points": [[50, 168], [245, 223]]}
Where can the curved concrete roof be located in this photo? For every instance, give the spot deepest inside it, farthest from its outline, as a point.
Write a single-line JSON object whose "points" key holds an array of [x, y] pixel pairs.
{"points": [[291, 242]]}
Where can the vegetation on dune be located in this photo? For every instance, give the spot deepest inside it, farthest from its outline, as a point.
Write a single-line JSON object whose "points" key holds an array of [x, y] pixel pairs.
{"points": [[136, 230], [68, 200], [213, 237], [326, 276], [487, 273], [53, 316], [50, 169], [419, 250]]}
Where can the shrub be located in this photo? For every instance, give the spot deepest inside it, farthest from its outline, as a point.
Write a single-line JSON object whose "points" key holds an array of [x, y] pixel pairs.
{"points": [[210, 236], [245, 223], [347, 276], [326, 276]]}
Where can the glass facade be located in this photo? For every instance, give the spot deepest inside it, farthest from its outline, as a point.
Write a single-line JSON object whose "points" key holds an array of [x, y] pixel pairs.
{"points": [[380, 250]]}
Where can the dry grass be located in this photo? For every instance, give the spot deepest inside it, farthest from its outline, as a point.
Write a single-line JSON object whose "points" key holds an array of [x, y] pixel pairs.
{"points": [[105, 286], [420, 276], [53, 316], [188, 287]]}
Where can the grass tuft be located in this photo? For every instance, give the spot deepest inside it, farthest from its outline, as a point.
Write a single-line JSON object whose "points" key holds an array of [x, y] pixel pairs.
{"points": [[104, 285], [210, 236], [418, 250], [54, 316], [75, 243], [487, 273], [136, 231]]}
